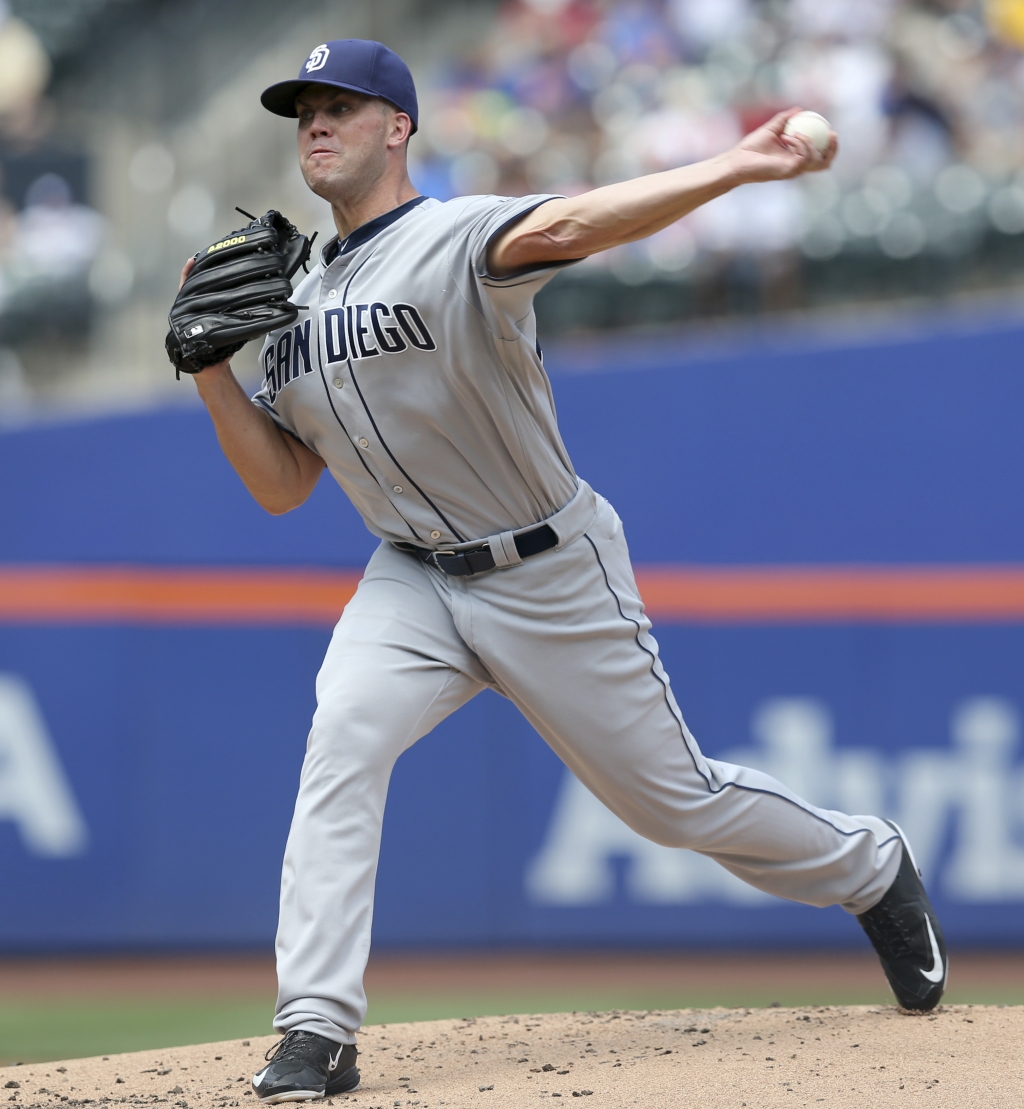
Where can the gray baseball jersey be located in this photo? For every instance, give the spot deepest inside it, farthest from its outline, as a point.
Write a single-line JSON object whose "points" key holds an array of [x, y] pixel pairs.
{"points": [[417, 377]]}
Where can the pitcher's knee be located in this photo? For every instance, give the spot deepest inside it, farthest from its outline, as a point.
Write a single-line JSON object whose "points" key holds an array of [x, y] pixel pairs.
{"points": [[354, 735], [669, 837], [670, 827], [665, 833]]}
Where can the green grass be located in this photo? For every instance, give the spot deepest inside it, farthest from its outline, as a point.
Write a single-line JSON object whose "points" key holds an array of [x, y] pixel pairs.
{"points": [[387, 1010], [33, 1030], [36, 1031]]}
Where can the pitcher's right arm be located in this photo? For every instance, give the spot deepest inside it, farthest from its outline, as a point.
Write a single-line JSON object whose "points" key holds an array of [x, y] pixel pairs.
{"points": [[278, 470]]}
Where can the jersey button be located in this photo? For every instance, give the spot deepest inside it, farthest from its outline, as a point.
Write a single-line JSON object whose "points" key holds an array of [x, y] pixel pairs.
{"points": [[338, 383], [435, 535], [333, 293], [364, 443], [399, 489]]}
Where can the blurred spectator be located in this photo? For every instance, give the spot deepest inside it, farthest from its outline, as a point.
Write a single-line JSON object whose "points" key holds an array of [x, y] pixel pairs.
{"points": [[46, 264], [705, 22], [56, 239], [24, 71]]}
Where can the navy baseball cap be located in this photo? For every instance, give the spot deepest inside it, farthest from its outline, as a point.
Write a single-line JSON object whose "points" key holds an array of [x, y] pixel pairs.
{"points": [[361, 65]]}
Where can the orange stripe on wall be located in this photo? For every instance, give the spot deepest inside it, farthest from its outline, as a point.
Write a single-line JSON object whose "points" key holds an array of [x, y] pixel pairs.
{"points": [[683, 594], [833, 594], [178, 595]]}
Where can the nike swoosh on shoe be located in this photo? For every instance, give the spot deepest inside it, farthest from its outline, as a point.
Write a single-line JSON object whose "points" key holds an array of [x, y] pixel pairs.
{"points": [[938, 971], [258, 1078], [332, 1061]]}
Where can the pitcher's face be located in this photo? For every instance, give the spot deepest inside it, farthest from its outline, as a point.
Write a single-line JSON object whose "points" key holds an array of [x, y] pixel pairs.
{"points": [[345, 140]]}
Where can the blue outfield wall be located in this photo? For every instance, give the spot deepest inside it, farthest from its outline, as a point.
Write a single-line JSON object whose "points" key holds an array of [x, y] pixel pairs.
{"points": [[165, 760]]}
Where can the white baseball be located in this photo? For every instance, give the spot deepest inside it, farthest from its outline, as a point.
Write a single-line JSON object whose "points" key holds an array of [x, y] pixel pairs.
{"points": [[815, 128]]}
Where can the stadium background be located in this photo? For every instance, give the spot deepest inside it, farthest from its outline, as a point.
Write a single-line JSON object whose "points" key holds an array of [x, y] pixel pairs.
{"points": [[805, 408]]}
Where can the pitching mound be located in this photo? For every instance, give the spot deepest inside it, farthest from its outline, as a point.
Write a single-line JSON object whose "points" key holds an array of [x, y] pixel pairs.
{"points": [[962, 1055]]}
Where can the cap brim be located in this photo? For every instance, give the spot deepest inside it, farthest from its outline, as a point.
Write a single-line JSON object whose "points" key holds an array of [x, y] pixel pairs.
{"points": [[280, 98]]}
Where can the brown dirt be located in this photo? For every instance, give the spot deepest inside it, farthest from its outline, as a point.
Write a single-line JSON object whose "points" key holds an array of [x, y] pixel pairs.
{"points": [[487, 971], [960, 1056]]}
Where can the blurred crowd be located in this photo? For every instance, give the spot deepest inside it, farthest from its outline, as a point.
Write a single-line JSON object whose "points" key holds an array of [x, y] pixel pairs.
{"points": [[927, 97], [117, 159]]}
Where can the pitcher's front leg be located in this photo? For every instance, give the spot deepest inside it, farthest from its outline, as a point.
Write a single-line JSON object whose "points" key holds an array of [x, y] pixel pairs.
{"points": [[395, 668]]}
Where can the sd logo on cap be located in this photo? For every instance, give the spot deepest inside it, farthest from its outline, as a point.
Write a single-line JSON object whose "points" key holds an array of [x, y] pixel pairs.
{"points": [[318, 59], [361, 65]]}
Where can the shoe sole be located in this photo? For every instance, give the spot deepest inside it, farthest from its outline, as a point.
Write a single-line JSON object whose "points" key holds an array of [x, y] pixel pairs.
{"points": [[292, 1095], [343, 1085]]}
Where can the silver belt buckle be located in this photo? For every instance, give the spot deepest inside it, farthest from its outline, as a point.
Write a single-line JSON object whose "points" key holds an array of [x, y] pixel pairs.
{"points": [[436, 556]]}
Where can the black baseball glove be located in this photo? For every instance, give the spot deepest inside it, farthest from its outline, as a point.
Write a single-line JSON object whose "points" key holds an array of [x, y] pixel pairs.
{"points": [[237, 290]]}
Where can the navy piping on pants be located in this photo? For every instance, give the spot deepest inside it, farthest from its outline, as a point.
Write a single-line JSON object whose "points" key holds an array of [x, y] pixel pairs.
{"points": [[668, 705]]}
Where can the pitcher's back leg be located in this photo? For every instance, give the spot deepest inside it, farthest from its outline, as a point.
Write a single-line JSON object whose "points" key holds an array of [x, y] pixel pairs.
{"points": [[588, 677]]}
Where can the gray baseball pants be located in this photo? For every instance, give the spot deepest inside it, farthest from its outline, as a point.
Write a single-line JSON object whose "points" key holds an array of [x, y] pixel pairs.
{"points": [[563, 635]]}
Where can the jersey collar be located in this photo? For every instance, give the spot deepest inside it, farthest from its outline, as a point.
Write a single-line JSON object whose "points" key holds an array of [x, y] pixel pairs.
{"points": [[335, 248]]}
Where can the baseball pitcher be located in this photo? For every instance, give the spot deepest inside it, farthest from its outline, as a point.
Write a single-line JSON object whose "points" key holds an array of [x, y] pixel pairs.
{"points": [[406, 362]]}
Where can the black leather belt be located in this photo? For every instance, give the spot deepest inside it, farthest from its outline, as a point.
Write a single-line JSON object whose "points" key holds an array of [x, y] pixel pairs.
{"points": [[476, 560]]}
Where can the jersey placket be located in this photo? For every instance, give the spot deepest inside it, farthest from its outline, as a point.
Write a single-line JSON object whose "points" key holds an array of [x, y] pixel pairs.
{"points": [[379, 461]]}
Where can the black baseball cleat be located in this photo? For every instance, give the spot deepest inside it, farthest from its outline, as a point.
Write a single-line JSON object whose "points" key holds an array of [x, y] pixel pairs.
{"points": [[905, 932], [304, 1067]]}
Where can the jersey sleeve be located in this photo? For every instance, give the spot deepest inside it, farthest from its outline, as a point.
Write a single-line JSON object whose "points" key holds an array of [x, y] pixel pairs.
{"points": [[485, 221]]}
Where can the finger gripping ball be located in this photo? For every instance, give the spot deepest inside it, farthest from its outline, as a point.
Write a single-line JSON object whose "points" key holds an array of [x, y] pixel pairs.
{"points": [[814, 127]]}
